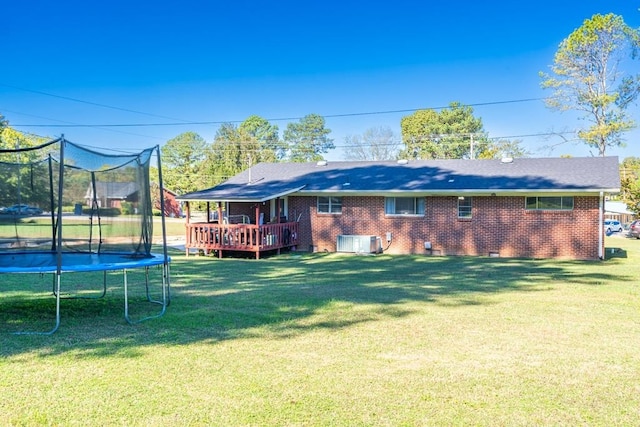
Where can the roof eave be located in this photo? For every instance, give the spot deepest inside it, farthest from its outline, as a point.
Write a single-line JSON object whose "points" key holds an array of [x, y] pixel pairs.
{"points": [[238, 199], [458, 191]]}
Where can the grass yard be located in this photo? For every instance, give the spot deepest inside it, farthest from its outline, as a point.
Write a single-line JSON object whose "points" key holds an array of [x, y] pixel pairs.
{"points": [[40, 227], [334, 339]]}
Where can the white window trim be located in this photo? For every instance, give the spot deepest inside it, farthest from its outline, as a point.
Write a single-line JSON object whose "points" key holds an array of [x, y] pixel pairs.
{"points": [[573, 206], [273, 208], [387, 200], [470, 206], [329, 212]]}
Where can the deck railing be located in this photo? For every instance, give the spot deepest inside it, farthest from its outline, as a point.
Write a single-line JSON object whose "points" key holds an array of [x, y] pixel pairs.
{"points": [[210, 237]]}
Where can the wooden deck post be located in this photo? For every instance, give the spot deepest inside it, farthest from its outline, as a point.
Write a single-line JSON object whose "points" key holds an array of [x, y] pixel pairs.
{"points": [[188, 230]]}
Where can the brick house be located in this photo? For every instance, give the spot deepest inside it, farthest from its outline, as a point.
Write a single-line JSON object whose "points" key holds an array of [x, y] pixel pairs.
{"points": [[112, 194], [531, 207], [172, 208]]}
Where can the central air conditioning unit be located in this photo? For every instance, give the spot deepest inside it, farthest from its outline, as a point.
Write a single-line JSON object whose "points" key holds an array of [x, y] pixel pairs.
{"points": [[358, 244]]}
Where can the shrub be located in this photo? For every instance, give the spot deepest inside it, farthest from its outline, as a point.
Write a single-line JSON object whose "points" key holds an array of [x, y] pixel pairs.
{"points": [[103, 211], [127, 208]]}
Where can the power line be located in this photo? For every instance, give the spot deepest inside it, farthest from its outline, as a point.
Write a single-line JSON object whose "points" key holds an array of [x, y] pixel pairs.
{"points": [[232, 145], [219, 122], [72, 124], [90, 102]]}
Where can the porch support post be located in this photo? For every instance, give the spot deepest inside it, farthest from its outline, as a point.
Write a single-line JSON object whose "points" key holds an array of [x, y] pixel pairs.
{"points": [[187, 229]]}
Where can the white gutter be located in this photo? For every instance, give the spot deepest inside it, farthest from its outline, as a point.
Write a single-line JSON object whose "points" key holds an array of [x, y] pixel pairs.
{"points": [[601, 226], [460, 191], [226, 198]]}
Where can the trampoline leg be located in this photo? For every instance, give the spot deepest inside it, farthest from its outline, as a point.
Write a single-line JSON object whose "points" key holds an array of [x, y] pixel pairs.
{"points": [[165, 273], [104, 289], [126, 297], [163, 302], [56, 292]]}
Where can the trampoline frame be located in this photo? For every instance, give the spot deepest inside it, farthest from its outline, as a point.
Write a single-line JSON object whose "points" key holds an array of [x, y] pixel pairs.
{"points": [[57, 265]]}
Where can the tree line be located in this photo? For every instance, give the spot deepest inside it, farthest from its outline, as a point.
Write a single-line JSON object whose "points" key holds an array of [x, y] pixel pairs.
{"points": [[190, 163]]}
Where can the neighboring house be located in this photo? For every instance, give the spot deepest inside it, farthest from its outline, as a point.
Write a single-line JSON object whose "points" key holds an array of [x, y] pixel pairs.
{"points": [[172, 207], [112, 194], [619, 211], [531, 207]]}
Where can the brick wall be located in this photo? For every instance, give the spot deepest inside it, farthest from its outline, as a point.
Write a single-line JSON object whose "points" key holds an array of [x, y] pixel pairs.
{"points": [[499, 225], [248, 209]]}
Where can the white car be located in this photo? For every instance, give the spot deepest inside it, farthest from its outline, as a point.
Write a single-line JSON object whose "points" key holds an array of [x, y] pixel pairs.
{"points": [[611, 226]]}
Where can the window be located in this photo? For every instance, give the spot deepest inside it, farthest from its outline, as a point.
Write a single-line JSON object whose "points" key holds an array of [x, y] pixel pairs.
{"points": [[464, 207], [550, 203], [331, 205], [404, 205], [282, 201]]}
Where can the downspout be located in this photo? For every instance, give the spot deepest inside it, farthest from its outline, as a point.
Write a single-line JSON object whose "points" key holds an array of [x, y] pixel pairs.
{"points": [[600, 226]]}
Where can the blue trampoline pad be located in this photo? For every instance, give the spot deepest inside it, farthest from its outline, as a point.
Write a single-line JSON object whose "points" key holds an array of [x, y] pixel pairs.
{"points": [[45, 262]]}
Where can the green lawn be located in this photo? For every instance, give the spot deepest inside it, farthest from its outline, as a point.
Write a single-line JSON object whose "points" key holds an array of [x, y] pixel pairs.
{"points": [[40, 227], [330, 339]]}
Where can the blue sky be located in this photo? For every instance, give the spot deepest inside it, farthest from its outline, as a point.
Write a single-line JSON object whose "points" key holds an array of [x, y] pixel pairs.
{"points": [[359, 64]]}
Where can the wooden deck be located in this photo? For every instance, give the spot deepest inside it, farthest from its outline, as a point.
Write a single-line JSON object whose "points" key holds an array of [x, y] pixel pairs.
{"points": [[214, 237]]}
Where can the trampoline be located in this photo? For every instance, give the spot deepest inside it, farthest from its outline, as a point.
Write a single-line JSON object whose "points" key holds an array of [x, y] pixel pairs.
{"points": [[68, 209]]}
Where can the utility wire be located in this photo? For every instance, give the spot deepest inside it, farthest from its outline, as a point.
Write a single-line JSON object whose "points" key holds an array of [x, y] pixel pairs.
{"points": [[218, 147], [72, 124], [219, 122], [90, 103]]}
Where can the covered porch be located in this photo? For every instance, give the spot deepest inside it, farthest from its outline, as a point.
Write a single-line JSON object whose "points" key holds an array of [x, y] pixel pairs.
{"points": [[239, 223]]}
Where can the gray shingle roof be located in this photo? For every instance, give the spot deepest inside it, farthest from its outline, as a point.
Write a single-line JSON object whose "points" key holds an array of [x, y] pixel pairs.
{"points": [[265, 181], [113, 190]]}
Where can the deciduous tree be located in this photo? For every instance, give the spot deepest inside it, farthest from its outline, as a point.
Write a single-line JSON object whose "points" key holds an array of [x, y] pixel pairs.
{"points": [[376, 143], [182, 159], [630, 183], [233, 150], [28, 182], [497, 149], [12, 139], [588, 77], [453, 133]]}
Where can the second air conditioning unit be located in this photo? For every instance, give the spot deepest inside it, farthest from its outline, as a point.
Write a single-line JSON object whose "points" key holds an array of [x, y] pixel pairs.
{"points": [[358, 244]]}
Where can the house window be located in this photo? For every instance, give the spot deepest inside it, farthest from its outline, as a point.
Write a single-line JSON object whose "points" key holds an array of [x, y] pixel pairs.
{"points": [[281, 204], [331, 205], [464, 207], [550, 203], [404, 205]]}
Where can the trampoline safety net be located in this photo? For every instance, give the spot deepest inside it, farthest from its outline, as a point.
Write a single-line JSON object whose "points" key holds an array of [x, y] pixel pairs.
{"points": [[60, 195]]}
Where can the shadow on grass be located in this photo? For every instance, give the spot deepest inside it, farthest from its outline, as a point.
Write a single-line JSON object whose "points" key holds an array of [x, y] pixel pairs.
{"points": [[215, 300], [614, 252]]}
